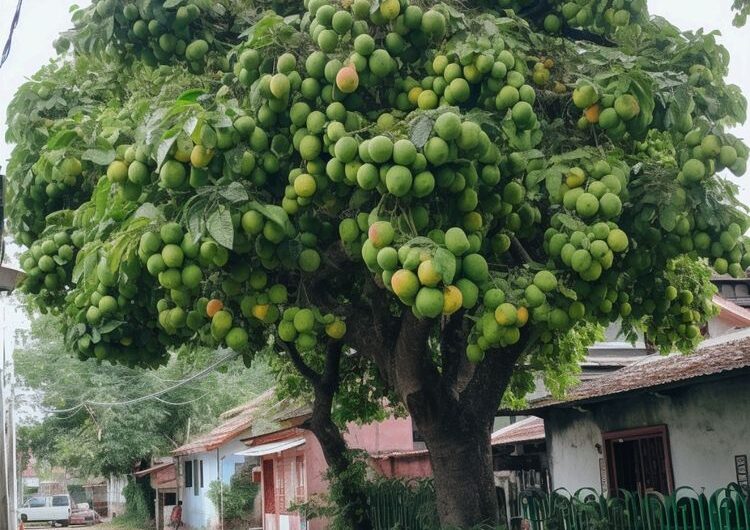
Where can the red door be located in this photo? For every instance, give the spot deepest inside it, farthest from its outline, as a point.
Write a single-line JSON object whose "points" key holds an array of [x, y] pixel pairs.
{"points": [[269, 491]]}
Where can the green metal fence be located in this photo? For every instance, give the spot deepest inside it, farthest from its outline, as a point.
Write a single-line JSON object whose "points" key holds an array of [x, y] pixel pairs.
{"points": [[685, 509], [403, 505]]}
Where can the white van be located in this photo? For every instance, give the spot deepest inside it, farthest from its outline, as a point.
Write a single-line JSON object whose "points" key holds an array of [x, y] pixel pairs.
{"points": [[49, 508]]}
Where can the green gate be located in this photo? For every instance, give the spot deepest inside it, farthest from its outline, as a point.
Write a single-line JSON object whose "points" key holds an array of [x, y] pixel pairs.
{"points": [[685, 509], [403, 505]]}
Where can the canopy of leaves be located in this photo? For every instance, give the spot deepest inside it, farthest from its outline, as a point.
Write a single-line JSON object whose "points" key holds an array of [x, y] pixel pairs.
{"points": [[508, 173]]}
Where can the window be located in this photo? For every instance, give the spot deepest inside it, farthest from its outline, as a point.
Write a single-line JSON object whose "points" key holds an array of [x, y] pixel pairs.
{"points": [[37, 502], [299, 478], [188, 473], [170, 499], [60, 500], [197, 481], [638, 460], [201, 465]]}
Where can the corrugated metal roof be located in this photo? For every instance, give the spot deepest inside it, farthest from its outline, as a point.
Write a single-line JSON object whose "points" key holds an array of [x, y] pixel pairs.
{"points": [[732, 312], [526, 430], [153, 469], [719, 356], [240, 419]]}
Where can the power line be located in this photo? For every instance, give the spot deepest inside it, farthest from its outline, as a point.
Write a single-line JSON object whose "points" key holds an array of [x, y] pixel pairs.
{"points": [[154, 395], [13, 24]]}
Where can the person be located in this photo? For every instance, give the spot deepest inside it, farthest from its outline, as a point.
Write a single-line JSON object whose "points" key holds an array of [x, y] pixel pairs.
{"points": [[175, 519]]}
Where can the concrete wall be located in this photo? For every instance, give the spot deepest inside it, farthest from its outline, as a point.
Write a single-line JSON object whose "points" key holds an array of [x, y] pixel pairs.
{"points": [[392, 434], [198, 512], [708, 424], [115, 498]]}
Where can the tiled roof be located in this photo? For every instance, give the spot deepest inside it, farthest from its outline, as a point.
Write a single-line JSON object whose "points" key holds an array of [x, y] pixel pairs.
{"points": [[714, 357], [237, 421], [526, 430], [403, 453]]}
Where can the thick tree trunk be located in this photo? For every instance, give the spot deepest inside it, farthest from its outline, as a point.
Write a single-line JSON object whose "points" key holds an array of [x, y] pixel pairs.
{"points": [[461, 458]]}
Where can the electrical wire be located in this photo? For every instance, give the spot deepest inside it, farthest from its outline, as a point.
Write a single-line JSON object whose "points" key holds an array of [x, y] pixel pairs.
{"points": [[154, 395], [13, 24]]}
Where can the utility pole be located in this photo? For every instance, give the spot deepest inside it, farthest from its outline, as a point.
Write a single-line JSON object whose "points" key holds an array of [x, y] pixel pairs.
{"points": [[7, 433]]}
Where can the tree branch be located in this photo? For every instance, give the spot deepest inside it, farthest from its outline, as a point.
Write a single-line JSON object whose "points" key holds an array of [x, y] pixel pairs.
{"points": [[519, 248], [579, 34], [299, 363], [331, 373], [452, 349], [485, 390]]}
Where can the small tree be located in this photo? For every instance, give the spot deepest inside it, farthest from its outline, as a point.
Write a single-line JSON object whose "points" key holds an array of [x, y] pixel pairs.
{"points": [[431, 201], [236, 499]]}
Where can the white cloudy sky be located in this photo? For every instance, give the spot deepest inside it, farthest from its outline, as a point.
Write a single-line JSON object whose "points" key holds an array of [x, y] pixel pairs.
{"points": [[42, 20]]}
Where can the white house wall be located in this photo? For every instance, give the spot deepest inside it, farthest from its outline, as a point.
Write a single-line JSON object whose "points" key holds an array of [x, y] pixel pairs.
{"points": [[198, 512], [708, 424]]}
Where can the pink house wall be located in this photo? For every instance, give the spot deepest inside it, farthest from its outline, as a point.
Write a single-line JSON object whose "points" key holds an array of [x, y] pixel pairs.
{"points": [[393, 434]]}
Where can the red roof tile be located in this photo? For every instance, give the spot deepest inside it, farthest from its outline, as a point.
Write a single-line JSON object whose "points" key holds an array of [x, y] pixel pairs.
{"points": [[240, 419], [526, 430], [714, 357]]}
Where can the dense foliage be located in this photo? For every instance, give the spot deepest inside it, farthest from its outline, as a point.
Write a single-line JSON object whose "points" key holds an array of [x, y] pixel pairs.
{"points": [[130, 283], [91, 440], [236, 499], [382, 177]]}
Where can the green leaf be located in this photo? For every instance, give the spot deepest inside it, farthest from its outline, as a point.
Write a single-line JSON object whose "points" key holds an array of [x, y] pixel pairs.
{"points": [[61, 140], [219, 226], [235, 192], [273, 213], [191, 96], [421, 130], [567, 292], [553, 181], [147, 210], [571, 223], [110, 326], [100, 157], [445, 264]]}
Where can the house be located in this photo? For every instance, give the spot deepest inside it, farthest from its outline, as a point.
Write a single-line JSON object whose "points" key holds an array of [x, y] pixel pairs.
{"points": [[29, 477], [656, 425], [9, 277], [519, 462], [212, 456], [292, 467], [163, 480]]}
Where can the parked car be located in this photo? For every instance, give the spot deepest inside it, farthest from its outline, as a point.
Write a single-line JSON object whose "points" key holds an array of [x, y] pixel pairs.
{"points": [[83, 514], [47, 508]]}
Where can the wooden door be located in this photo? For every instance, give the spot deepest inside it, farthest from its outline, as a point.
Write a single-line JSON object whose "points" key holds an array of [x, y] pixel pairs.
{"points": [[269, 489]]}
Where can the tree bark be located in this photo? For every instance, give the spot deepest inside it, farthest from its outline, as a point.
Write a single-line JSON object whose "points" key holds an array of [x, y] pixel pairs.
{"points": [[354, 501], [453, 406], [462, 469]]}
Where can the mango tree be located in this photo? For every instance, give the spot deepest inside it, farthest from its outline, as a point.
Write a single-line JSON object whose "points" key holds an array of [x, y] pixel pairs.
{"points": [[435, 203]]}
